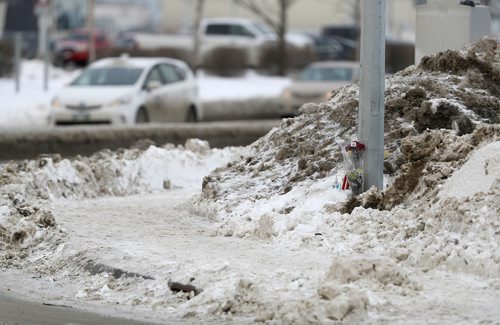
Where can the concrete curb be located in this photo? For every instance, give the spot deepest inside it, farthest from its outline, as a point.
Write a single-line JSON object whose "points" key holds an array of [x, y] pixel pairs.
{"points": [[71, 141]]}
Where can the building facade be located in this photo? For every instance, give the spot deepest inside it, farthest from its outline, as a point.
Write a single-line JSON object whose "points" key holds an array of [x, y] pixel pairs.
{"points": [[111, 15], [304, 16]]}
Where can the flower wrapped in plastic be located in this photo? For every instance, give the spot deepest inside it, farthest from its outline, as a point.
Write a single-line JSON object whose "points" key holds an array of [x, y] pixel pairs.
{"points": [[353, 153]]}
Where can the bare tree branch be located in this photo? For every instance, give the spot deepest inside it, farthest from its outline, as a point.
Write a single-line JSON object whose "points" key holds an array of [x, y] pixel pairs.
{"points": [[277, 21], [257, 10]]}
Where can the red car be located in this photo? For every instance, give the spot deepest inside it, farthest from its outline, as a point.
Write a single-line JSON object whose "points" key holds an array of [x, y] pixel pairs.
{"points": [[74, 47]]}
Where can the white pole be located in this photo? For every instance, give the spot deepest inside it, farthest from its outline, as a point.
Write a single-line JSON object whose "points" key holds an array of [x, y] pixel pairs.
{"points": [[90, 28], [3, 14], [371, 94], [46, 63], [17, 59], [43, 26]]}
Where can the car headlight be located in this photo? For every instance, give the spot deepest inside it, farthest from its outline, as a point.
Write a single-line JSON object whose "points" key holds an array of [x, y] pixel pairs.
{"points": [[56, 103], [123, 100]]}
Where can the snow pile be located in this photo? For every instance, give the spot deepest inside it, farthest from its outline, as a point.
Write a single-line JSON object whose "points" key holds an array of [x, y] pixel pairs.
{"points": [[306, 149], [442, 128], [450, 91], [26, 188]]}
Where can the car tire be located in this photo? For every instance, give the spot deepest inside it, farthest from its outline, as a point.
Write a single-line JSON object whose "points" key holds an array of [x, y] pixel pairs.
{"points": [[191, 115], [141, 116], [65, 59]]}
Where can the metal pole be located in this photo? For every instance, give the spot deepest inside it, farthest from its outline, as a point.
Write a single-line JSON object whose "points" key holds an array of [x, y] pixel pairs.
{"points": [[371, 93], [3, 14], [17, 59], [196, 59], [46, 63], [90, 27]]}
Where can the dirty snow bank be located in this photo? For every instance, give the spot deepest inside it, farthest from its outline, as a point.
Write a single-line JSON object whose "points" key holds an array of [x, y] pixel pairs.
{"points": [[27, 187], [442, 127]]}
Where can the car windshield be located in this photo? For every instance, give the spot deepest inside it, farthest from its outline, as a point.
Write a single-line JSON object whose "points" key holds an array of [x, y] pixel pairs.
{"points": [[326, 74], [108, 77]]}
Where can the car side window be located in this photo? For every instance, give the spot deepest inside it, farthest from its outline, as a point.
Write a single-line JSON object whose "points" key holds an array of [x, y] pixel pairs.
{"points": [[238, 30], [154, 75], [171, 73], [181, 72], [217, 29], [337, 74]]}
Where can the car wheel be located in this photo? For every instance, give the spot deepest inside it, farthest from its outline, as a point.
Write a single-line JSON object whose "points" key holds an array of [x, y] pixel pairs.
{"points": [[191, 115], [66, 59], [141, 116], [59, 60]]}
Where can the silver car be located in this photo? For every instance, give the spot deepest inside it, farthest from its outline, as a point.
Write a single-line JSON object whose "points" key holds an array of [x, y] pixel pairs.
{"points": [[316, 82], [129, 90]]}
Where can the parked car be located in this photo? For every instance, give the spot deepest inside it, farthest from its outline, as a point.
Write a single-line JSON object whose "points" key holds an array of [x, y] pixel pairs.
{"points": [[74, 47], [241, 33], [127, 91], [125, 41], [214, 33], [332, 48], [346, 36], [315, 83]]}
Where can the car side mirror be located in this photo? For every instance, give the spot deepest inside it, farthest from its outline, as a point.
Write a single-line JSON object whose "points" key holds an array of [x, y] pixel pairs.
{"points": [[152, 85]]}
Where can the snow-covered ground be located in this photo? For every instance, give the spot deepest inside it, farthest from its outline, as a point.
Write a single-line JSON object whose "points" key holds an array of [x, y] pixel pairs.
{"points": [[251, 85], [30, 107], [259, 234]]}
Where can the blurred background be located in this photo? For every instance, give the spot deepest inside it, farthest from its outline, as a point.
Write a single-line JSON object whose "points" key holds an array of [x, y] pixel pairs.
{"points": [[331, 27], [248, 55]]}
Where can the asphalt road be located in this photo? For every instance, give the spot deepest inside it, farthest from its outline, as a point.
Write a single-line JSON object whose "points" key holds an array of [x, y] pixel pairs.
{"points": [[85, 140], [15, 311]]}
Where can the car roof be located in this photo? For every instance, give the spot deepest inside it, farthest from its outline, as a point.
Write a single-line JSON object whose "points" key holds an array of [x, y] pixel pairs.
{"points": [[333, 64], [138, 62]]}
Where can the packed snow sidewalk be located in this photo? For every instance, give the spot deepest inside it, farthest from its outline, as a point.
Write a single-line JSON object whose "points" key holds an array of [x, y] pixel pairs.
{"points": [[426, 249]]}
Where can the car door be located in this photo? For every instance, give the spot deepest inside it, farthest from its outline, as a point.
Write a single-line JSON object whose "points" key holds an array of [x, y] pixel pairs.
{"points": [[154, 89], [176, 92]]}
